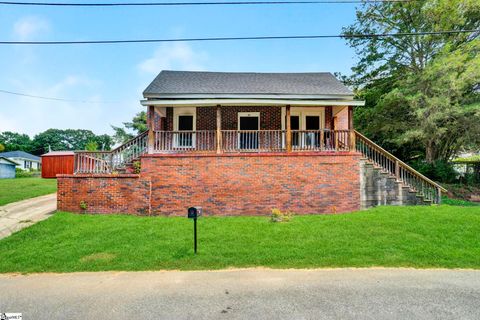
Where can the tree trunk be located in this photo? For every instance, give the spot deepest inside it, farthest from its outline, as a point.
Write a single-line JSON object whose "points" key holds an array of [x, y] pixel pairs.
{"points": [[429, 152]]}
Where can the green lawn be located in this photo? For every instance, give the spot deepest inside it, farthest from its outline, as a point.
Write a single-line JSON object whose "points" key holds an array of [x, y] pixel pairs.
{"points": [[12, 190], [437, 236]]}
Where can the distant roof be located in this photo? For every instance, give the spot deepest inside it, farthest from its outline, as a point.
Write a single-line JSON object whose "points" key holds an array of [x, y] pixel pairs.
{"points": [[19, 154], [13, 163], [247, 83], [58, 153]]}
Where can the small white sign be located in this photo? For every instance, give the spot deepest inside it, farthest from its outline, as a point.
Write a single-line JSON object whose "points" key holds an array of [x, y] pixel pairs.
{"points": [[10, 316]]}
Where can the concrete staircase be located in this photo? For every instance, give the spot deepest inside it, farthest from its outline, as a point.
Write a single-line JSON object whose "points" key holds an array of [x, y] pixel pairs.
{"points": [[379, 187]]}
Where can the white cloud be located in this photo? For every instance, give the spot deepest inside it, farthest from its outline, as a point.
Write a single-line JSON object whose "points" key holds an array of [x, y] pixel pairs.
{"points": [[178, 56], [28, 27]]}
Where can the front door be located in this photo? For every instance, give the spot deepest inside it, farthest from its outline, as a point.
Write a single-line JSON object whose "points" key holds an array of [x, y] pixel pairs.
{"points": [[312, 127], [185, 139], [248, 124]]}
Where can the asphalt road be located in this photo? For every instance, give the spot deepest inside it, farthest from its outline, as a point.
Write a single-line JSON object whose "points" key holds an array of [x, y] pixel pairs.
{"points": [[246, 294]]}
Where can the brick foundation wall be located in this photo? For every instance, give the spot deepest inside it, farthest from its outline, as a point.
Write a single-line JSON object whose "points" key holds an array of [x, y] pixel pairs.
{"points": [[254, 184], [222, 185], [126, 193]]}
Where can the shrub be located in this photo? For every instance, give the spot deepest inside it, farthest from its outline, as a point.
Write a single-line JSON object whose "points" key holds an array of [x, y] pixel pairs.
{"points": [[279, 216], [440, 171], [137, 167], [19, 173]]}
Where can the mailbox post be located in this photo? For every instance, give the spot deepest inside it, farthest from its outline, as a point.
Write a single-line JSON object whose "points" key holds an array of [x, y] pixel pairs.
{"points": [[194, 213]]}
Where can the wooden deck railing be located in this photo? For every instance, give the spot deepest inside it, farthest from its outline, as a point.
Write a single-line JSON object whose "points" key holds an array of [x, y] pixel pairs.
{"points": [[429, 189], [205, 141], [110, 161], [184, 141], [252, 140]]}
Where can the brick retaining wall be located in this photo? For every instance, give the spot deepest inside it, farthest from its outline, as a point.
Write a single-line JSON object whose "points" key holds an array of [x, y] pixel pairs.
{"points": [[254, 184], [104, 193], [222, 184]]}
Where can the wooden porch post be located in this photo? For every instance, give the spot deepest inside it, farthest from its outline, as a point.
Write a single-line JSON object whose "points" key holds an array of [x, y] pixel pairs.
{"points": [[289, 129], [350, 128], [151, 133], [219, 130]]}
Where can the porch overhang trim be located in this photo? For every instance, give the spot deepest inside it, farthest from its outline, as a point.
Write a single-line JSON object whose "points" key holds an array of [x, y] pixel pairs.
{"points": [[249, 96], [249, 102]]}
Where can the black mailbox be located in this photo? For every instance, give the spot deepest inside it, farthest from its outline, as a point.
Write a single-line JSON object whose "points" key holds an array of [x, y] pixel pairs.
{"points": [[194, 212]]}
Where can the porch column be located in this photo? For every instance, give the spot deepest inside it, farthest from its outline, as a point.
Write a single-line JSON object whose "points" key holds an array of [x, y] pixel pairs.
{"points": [[350, 128], [219, 130], [289, 129], [151, 133]]}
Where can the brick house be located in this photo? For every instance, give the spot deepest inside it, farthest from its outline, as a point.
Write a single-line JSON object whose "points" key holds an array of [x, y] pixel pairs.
{"points": [[244, 143]]}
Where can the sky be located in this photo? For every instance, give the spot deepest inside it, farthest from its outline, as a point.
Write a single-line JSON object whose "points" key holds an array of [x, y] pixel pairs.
{"points": [[111, 78]]}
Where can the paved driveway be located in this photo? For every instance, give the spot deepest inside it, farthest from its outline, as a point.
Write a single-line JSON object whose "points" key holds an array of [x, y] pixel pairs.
{"points": [[246, 294], [18, 215]]}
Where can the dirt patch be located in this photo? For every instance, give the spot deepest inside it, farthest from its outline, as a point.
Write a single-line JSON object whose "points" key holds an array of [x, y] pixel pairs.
{"points": [[98, 257]]}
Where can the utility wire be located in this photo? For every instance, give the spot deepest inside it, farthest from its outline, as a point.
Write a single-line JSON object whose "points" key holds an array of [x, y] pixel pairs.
{"points": [[51, 98], [223, 3], [345, 36]]}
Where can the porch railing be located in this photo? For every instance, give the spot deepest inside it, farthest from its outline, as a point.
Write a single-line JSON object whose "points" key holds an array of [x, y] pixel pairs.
{"points": [[184, 141], [250, 141], [320, 140], [425, 187], [110, 161]]}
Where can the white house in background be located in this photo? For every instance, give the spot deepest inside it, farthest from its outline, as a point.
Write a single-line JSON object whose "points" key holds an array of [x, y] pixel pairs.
{"points": [[25, 160]]}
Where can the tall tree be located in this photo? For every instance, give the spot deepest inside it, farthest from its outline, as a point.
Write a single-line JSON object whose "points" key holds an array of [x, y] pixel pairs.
{"points": [[416, 87], [137, 125], [13, 141], [69, 139]]}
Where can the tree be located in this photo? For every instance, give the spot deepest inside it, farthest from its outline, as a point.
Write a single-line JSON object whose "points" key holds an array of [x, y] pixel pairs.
{"points": [[13, 141], [138, 125], [91, 146], [416, 87], [69, 139], [2, 147]]}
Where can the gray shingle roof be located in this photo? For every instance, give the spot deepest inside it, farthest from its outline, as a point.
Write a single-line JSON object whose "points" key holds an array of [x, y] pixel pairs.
{"points": [[194, 82], [19, 154]]}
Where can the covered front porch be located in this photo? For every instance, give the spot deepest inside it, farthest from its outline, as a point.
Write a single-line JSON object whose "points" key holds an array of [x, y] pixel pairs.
{"points": [[242, 128]]}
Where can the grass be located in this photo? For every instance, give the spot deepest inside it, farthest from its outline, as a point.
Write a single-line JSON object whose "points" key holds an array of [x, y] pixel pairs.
{"points": [[12, 190], [437, 236], [459, 202]]}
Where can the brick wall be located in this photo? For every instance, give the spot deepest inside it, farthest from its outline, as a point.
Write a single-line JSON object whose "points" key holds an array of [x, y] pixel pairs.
{"points": [[126, 193], [270, 117], [254, 184], [341, 122], [223, 185]]}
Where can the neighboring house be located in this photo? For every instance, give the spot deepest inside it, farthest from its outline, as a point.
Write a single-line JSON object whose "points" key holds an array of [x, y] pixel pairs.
{"points": [[25, 160], [244, 143], [7, 168]]}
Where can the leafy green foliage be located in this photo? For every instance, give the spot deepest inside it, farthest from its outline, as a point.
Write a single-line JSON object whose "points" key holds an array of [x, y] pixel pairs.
{"points": [[56, 139], [19, 173], [13, 141], [420, 91], [69, 139], [138, 125], [439, 170], [91, 146], [422, 237]]}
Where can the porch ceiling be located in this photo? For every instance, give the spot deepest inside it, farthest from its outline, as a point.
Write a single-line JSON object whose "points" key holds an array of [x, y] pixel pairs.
{"points": [[249, 102]]}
